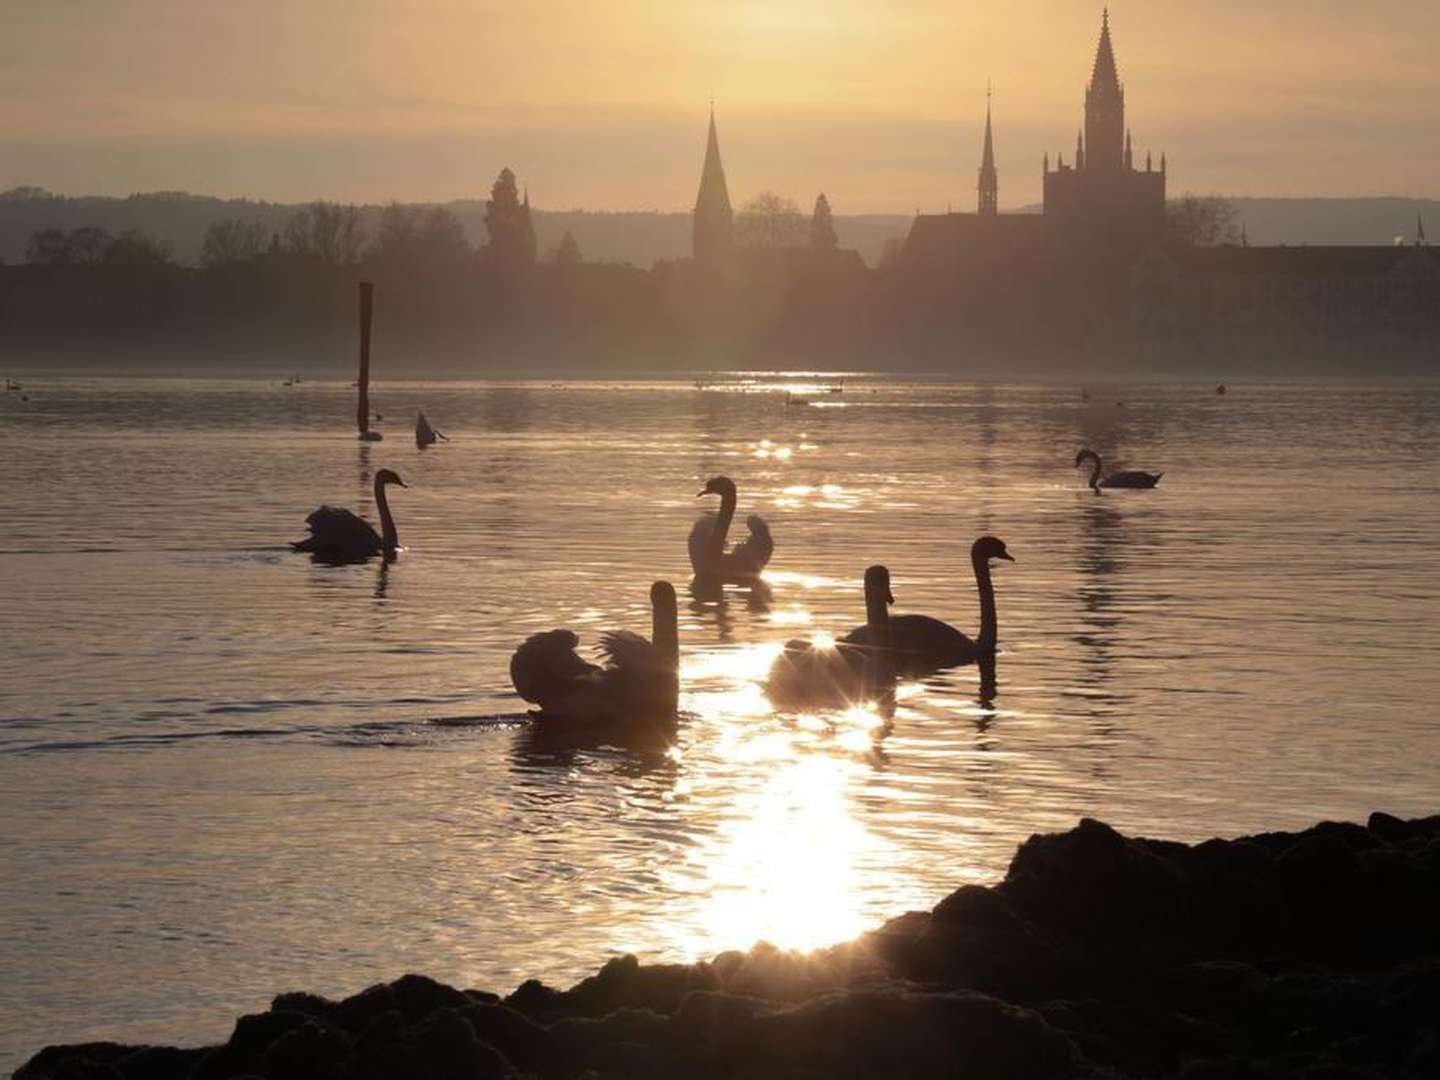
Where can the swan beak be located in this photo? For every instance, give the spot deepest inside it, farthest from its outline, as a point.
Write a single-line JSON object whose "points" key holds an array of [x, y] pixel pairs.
{"points": [[699, 494], [401, 482], [1006, 556], [890, 598]]}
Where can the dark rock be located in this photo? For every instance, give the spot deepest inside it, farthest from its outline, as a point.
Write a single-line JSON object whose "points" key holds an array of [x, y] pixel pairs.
{"points": [[245, 1051], [312, 1051], [161, 1063]]}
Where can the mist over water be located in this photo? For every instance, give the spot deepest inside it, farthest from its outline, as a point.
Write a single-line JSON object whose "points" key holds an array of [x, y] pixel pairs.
{"points": [[226, 771]]}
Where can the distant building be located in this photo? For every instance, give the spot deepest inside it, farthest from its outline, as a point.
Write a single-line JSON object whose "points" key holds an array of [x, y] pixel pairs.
{"points": [[1102, 196], [1101, 202], [714, 221]]}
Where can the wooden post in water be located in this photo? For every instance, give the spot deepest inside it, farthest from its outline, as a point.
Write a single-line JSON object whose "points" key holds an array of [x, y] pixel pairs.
{"points": [[362, 408]]}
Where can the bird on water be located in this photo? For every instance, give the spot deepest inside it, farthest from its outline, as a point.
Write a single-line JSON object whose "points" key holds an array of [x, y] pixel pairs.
{"points": [[1131, 478], [338, 535], [638, 683], [742, 564], [919, 644], [809, 674]]}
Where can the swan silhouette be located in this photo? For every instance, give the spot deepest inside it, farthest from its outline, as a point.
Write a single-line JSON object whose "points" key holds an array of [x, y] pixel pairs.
{"points": [[639, 680], [342, 536], [807, 675], [742, 564], [1133, 478], [425, 435], [920, 644]]}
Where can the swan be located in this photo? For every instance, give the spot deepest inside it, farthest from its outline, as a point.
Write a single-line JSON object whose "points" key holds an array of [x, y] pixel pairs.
{"points": [[341, 536], [807, 675], [920, 644], [639, 680], [742, 564], [425, 435], [1133, 478]]}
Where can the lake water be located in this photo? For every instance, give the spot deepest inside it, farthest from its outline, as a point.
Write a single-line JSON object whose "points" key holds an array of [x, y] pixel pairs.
{"points": [[226, 771]]}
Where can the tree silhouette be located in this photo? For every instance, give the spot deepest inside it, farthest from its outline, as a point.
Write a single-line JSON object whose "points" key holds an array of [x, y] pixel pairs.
{"points": [[327, 232], [417, 236], [568, 253], [507, 220], [1202, 221], [822, 226], [769, 221], [232, 241]]}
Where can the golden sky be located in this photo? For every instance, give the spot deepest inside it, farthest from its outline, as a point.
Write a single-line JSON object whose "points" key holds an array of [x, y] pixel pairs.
{"points": [[603, 105]]}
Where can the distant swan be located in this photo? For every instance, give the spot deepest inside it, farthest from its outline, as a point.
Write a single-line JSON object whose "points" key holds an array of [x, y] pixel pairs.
{"points": [[807, 675], [639, 681], [1130, 479], [425, 435], [341, 536], [921, 644], [742, 564]]}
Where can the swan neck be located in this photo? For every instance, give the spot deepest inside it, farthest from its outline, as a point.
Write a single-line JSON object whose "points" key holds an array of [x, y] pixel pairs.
{"points": [[388, 535], [877, 618], [1095, 472], [665, 632], [989, 630], [722, 525]]}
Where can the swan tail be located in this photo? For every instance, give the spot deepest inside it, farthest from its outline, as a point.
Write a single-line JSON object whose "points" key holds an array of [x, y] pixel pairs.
{"points": [[700, 534], [546, 666]]}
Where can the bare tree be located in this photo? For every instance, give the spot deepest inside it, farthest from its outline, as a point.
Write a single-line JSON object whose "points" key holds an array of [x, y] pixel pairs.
{"points": [[1202, 221], [770, 221], [232, 241], [326, 231]]}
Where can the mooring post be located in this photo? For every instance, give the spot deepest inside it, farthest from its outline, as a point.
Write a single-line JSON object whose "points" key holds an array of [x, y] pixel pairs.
{"points": [[362, 409]]}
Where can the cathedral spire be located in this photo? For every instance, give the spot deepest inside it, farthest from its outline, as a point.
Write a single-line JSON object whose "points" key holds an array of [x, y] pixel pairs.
{"points": [[714, 220], [1105, 107], [989, 178]]}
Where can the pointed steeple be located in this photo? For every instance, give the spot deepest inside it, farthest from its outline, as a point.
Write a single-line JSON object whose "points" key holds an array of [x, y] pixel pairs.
{"points": [[714, 220], [1045, 168], [1080, 150], [1129, 153], [1105, 107], [989, 178], [1244, 236], [1149, 167], [1105, 74], [1419, 230]]}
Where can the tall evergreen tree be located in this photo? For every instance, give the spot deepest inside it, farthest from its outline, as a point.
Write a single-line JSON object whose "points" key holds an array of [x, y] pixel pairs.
{"points": [[822, 226], [507, 220]]}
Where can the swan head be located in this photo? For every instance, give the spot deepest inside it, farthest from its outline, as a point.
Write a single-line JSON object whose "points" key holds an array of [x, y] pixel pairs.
{"points": [[718, 485], [877, 584], [662, 598], [989, 547], [388, 476], [1085, 455]]}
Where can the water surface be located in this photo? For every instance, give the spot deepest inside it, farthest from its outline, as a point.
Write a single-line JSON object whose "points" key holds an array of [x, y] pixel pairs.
{"points": [[226, 771]]}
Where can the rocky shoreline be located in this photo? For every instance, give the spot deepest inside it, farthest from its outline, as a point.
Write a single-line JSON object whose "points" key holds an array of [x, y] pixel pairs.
{"points": [[1312, 954]]}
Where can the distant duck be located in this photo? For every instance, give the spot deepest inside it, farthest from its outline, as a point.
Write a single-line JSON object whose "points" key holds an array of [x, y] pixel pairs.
{"points": [[11, 384], [1129, 479], [921, 644], [1220, 389], [1084, 394], [793, 401], [809, 675], [341, 536], [638, 684], [742, 564], [425, 435]]}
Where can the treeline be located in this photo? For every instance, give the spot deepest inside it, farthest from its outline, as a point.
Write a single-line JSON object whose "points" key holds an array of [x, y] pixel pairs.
{"points": [[503, 301]]}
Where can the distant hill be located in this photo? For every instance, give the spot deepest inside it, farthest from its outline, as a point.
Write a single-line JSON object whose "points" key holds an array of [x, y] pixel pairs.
{"points": [[642, 237]]}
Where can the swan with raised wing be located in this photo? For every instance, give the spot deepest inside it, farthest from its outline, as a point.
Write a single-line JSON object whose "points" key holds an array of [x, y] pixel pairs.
{"points": [[742, 564], [811, 674], [638, 682], [338, 535], [1131, 478], [919, 643]]}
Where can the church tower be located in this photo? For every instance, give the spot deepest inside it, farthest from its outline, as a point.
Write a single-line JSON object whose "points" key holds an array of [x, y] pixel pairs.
{"points": [[714, 221], [989, 179], [1105, 108]]}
